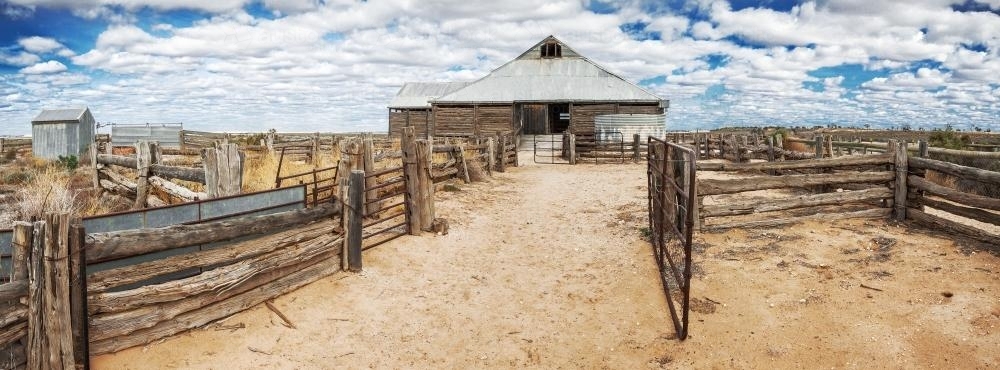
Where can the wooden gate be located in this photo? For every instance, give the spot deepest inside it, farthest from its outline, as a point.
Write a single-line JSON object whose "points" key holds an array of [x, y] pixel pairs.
{"points": [[535, 119], [671, 183]]}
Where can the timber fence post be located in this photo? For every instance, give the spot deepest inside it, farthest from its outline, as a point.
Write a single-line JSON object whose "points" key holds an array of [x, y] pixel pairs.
{"points": [[353, 216], [369, 153], [411, 174], [635, 147], [818, 146], [901, 164], [79, 317], [572, 149], [425, 183]]}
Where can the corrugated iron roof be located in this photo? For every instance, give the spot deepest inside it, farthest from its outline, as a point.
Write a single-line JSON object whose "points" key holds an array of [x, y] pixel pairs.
{"points": [[555, 79], [60, 115], [419, 94]]}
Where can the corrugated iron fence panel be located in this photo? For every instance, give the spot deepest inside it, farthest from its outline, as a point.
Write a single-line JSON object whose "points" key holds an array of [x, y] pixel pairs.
{"points": [[167, 134], [259, 203]]}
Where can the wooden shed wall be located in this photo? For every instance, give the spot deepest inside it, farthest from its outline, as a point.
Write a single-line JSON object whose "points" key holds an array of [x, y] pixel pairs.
{"points": [[640, 109], [581, 117], [410, 117], [491, 119], [454, 120]]}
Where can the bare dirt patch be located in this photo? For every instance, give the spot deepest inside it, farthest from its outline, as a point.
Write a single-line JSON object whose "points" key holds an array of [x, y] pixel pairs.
{"points": [[546, 267]]}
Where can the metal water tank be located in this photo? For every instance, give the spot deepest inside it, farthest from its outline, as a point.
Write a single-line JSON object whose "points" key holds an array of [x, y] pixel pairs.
{"points": [[616, 127]]}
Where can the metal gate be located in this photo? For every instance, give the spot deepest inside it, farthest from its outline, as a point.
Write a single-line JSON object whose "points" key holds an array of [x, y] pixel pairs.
{"points": [[671, 183], [387, 207], [550, 149]]}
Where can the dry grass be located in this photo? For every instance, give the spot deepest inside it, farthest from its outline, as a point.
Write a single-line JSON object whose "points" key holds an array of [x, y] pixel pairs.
{"points": [[796, 147]]}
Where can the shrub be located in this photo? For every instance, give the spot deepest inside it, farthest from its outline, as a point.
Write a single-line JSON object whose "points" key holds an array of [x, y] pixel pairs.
{"points": [[70, 162]]}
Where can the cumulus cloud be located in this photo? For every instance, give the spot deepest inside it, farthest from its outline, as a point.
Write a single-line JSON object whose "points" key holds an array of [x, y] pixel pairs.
{"points": [[311, 60], [51, 66], [38, 44]]}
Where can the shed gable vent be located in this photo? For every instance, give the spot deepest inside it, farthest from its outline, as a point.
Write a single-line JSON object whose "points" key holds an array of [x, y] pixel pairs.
{"points": [[551, 50]]}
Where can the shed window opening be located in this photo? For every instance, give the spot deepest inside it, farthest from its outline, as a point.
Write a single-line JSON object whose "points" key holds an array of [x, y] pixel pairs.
{"points": [[551, 50]]}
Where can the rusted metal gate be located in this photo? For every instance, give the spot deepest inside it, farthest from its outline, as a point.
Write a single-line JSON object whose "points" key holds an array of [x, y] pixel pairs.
{"points": [[671, 182], [386, 214], [550, 149]]}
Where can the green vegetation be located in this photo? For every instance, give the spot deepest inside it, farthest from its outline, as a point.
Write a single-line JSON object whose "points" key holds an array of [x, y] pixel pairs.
{"points": [[949, 139], [70, 162]]}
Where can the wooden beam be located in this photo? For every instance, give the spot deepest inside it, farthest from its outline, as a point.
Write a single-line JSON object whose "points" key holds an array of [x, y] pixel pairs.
{"points": [[851, 161], [953, 195], [102, 247], [967, 212], [716, 187], [410, 171], [971, 173], [951, 227], [754, 206], [822, 216]]}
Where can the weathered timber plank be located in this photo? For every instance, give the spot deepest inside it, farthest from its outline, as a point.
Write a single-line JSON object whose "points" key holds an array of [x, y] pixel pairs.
{"points": [[303, 275], [716, 187], [103, 280], [217, 279], [109, 246], [13, 290], [967, 212], [12, 312], [949, 226], [957, 170], [116, 324], [170, 172], [869, 213], [177, 191], [860, 160], [953, 195], [13, 332], [770, 205]]}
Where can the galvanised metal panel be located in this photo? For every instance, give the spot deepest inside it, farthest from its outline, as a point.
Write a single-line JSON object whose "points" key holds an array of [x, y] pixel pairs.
{"points": [[227, 206], [167, 134], [607, 126], [5, 239], [51, 140], [103, 224], [163, 217]]}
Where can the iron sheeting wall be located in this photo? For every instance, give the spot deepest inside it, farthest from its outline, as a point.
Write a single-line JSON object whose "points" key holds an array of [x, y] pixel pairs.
{"points": [[630, 124], [51, 140], [167, 134]]}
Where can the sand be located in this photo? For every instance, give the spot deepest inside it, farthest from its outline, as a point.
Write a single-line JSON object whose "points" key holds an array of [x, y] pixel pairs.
{"points": [[546, 267]]}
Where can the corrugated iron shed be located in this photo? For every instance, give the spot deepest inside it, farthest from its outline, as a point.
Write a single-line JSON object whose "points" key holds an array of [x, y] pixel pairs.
{"points": [[569, 78], [60, 115], [62, 132], [418, 94]]}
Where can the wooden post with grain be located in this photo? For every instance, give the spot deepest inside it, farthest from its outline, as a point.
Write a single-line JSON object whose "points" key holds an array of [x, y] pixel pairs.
{"points": [[572, 148], [463, 166], [818, 146], [635, 147], [79, 321], [901, 164], [408, 144], [368, 148], [502, 151], [425, 183], [353, 219], [491, 154], [146, 154], [223, 170]]}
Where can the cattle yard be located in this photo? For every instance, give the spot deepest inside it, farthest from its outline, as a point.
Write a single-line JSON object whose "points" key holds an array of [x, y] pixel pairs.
{"points": [[844, 255]]}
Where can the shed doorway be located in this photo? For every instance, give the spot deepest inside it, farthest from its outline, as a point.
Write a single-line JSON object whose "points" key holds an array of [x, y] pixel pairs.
{"points": [[558, 118]]}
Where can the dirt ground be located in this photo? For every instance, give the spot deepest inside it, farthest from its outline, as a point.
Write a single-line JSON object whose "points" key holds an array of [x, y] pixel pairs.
{"points": [[546, 267]]}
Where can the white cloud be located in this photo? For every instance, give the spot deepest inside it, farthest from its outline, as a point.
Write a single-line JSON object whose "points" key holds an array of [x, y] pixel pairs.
{"points": [[19, 59], [38, 44], [51, 66]]}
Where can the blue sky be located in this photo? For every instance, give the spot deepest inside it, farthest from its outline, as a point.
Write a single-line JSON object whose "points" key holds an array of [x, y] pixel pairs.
{"points": [[333, 65]]}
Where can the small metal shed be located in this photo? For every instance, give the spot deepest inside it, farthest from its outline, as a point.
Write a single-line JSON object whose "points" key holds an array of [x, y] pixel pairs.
{"points": [[62, 132]]}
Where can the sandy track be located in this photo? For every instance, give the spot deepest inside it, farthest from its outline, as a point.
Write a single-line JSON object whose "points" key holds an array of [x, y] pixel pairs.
{"points": [[545, 267]]}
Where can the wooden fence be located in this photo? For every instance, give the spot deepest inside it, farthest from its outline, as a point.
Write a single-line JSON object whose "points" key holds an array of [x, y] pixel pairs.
{"points": [[221, 174], [43, 316], [14, 144], [857, 186]]}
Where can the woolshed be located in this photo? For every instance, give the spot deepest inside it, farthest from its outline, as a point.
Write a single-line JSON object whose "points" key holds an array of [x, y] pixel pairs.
{"points": [[62, 132], [548, 89]]}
